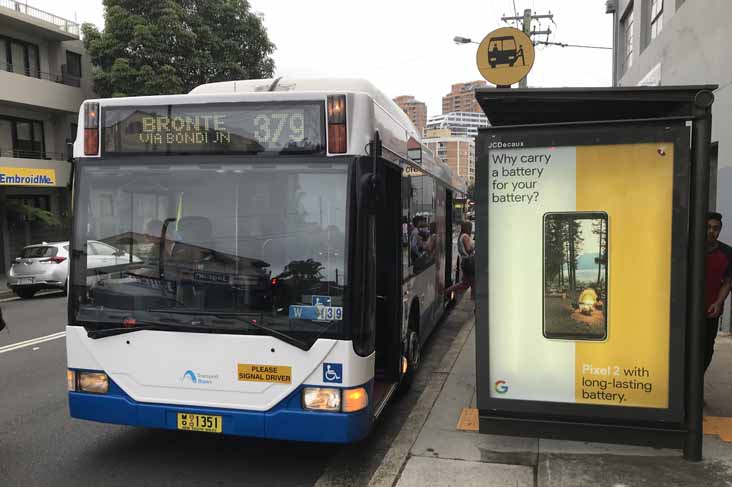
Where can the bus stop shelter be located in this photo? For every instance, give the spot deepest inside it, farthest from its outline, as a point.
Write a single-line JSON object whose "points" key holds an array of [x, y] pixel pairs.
{"points": [[590, 230]]}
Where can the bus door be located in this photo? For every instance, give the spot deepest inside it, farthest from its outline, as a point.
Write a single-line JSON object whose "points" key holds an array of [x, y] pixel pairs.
{"points": [[449, 262], [376, 250], [388, 271]]}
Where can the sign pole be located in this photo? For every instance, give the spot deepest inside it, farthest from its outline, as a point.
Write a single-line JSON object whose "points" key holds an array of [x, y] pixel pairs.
{"points": [[524, 83]]}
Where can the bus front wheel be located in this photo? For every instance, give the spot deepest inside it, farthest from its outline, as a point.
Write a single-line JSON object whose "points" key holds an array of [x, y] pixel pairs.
{"points": [[413, 357]]}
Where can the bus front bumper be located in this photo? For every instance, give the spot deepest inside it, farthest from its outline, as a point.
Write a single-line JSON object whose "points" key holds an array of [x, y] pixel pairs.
{"points": [[286, 421]]}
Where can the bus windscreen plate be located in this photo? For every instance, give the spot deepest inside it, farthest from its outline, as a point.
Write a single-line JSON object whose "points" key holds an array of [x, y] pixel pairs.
{"points": [[199, 422]]}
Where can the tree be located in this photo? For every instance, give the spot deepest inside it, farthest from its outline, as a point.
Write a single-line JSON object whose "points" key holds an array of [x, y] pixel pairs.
{"points": [[172, 46], [599, 228]]}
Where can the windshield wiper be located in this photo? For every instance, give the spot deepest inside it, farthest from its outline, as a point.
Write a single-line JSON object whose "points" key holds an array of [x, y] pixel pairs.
{"points": [[255, 321], [139, 326]]}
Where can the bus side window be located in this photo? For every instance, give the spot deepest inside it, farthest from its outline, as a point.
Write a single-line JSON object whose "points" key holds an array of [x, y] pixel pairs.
{"points": [[406, 191], [415, 203]]}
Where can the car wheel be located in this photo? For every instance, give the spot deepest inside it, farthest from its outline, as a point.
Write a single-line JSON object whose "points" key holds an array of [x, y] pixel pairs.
{"points": [[25, 293]]}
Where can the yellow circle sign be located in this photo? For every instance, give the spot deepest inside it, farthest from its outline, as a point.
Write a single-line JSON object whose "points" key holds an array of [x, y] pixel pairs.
{"points": [[505, 56]]}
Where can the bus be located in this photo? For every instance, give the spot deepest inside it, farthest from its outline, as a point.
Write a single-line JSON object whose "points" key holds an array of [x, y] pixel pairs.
{"points": [[280, 259]]}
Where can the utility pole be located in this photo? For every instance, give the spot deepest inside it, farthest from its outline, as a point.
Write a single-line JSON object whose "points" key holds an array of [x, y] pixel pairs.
{"points": [[526, 20]]}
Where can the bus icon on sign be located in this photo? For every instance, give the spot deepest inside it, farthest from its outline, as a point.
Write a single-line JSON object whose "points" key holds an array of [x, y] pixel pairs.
{"points": [[502, 51]]}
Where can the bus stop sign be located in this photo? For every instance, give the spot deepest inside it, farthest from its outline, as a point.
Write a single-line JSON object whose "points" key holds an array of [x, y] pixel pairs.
{"points": [[505, 56]]}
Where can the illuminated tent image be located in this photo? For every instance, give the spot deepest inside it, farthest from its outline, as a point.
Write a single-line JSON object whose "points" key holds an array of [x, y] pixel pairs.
{"points": [[575, 276]]}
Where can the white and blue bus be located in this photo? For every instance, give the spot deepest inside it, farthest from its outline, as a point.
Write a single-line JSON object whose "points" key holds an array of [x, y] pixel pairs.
{"points": [[279, 259]]}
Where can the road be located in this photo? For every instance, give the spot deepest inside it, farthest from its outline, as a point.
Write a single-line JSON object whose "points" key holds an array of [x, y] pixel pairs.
{"points": [[41, 445]]}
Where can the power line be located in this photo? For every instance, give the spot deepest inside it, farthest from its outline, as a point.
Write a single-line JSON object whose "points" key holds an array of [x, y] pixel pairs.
{"points": [[562, 44], [723, 87]]}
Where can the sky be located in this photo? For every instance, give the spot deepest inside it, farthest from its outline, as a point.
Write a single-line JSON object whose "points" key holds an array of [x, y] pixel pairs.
{"points": [[405, 47]]}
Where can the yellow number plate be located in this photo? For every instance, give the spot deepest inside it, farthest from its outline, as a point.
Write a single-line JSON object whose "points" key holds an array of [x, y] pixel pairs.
{"points": [[199, 422]]}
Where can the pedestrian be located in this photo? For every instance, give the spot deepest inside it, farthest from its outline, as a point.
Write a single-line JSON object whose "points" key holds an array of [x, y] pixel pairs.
{"points": [[718, 281], [431, 244], [2, 321], [466, 250], [416, 243]]}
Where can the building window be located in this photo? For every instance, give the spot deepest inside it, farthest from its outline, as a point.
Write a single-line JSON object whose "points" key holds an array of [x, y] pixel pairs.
{"points": [[19, 57], [42, 202], [656, 17], [21, 138], [626, 25], [73, 64]]}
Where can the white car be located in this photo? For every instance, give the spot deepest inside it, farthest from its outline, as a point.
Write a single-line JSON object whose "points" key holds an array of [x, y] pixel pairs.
{"points": [[46, 265]]}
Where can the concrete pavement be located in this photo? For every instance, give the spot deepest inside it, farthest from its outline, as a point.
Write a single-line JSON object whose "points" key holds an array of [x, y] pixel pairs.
{"points": [[430, 451]]}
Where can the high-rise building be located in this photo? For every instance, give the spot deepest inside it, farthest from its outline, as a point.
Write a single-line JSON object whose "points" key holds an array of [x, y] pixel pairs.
{"points": [[457, 151], [45, 75], [459, 123], [462, 97], [416, 110]]}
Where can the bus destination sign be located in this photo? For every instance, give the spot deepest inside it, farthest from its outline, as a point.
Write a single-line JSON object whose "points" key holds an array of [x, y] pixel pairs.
{"points": [[208, 129]]}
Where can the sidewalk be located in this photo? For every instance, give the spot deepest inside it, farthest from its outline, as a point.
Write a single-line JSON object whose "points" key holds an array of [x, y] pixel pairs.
{"points": [[437, 454]]}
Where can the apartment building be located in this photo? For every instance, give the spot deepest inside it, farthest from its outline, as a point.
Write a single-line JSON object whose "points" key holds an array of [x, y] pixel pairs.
{"points": [[459, 123], [462, 97], [682, 42], [457, 151], [45, 75], [416, 110]]}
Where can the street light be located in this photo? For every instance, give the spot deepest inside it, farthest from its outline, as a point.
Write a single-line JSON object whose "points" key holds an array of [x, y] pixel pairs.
{"points": [[463, 40]]}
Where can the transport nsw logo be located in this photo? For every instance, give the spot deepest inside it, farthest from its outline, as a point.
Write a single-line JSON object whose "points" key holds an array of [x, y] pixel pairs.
{"points": [[199, 378], [501, 387]]}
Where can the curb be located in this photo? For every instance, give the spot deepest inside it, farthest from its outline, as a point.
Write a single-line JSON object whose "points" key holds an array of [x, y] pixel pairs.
{"points": [[391, 466]]}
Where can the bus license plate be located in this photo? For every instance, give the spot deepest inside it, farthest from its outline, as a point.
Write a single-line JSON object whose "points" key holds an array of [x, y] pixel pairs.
{"points": [[199, 422]]}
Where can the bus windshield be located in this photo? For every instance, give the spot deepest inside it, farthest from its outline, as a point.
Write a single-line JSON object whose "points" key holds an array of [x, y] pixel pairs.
{"points": [[194, 242]]}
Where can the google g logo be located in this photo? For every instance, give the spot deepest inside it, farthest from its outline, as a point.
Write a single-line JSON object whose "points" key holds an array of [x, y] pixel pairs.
{"points": [[500, 387]]}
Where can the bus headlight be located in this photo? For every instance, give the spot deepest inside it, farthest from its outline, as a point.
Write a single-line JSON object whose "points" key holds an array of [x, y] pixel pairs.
{"points": [[321, 398], [70, 380], [96, 382], [355, 400]]}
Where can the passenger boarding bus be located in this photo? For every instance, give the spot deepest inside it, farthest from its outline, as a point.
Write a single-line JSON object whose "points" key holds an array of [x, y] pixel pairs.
{"points": [[280, 260]]}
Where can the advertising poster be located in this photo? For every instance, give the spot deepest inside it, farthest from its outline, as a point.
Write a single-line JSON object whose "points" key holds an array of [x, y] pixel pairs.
{"points": [[580, 243]]}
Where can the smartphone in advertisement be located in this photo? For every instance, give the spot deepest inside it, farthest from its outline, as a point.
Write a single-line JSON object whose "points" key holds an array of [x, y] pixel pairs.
{"points": [[575, 275]]}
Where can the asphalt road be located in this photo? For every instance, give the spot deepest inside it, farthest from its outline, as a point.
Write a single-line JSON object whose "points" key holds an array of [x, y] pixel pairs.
{"points": [[41, 445]]}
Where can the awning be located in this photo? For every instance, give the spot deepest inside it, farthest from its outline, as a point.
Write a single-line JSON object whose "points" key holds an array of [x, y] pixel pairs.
{"points": [[529, 106]]}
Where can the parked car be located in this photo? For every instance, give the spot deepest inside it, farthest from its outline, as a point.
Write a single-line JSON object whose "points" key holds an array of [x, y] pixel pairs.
{"points": [[46, 265]]}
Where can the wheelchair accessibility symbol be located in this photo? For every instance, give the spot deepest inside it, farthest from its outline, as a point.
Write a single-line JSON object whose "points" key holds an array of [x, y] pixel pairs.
{"points": [[333, 373]]}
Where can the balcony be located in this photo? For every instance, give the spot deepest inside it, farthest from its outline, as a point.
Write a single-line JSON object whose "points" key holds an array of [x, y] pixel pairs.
{"points": [[27, 18], [63, 77], [31, 88], [31, 154]]}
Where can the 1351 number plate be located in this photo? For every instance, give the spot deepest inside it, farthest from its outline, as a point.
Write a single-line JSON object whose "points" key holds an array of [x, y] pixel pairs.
{"points": [[199, 422]]}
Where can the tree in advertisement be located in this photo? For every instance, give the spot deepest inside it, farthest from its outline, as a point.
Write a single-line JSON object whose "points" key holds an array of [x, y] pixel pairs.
{"points": [[172, 46]]}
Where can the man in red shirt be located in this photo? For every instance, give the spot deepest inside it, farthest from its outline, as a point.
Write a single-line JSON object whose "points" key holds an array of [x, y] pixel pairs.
{"points": [[718, 280]]}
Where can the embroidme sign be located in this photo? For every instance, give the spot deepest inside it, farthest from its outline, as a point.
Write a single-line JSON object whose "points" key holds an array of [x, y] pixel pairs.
{"points": [[23, 176]]}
